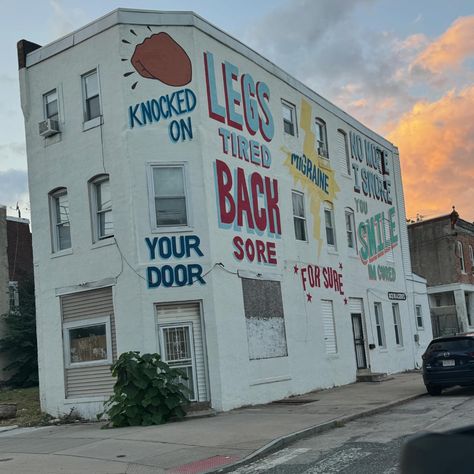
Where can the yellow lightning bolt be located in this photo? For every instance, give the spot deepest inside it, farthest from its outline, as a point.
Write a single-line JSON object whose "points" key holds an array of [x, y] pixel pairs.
{"points": [[317, 195]]}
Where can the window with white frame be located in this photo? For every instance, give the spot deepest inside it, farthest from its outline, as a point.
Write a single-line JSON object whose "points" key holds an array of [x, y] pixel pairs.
{"points": [[379, 325], [419, 316], [397, 327], [460, 252], [169, 195], [350, 229], [87, 342], [101, 204], [329, 326], [289, 118], [343, 151], [90, 90], [321, 138], [50, 105], [390, 254], [299, 218], [329, 223], [60, 222], [13, 297]]}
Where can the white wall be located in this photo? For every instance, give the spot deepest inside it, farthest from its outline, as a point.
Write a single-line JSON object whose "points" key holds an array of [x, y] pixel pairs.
{"points": [[125, 153]]}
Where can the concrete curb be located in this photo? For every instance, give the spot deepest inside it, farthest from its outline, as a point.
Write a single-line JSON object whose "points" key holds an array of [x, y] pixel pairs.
{"points": [[288, 439], [4, 429]]}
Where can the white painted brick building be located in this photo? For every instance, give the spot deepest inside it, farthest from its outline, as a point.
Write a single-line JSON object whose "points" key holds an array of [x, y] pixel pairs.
{"points": [[189, 197]]}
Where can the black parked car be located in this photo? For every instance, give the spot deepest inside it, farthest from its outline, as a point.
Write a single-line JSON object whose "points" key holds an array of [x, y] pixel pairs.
{"points": [[449, 361]]}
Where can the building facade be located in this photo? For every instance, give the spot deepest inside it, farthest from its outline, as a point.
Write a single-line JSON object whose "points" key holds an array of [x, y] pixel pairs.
{"points": [[191, 198], [442, 251]]}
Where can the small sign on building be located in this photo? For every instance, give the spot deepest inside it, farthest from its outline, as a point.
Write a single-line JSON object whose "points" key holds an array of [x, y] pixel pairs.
{"points": [[392, 295]]}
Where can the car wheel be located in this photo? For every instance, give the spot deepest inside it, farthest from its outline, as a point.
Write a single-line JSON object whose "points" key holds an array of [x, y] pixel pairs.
{"points": [[433, 390]]}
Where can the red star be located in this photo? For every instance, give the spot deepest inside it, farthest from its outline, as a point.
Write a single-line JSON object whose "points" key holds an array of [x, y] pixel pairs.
{"points": [[340, 266], [295, 268], [345, 300], [309, 297]]}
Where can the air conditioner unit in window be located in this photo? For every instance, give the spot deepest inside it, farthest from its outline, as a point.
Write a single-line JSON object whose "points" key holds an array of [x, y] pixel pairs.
{"points": [[48, 127]]}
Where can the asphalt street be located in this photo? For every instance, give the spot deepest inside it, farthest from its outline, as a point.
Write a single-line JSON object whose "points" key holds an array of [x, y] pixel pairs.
{"points": [[370, 445]]}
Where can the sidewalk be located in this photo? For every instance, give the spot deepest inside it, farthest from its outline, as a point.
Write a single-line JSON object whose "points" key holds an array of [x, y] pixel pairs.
{"points": [[197, 445]]}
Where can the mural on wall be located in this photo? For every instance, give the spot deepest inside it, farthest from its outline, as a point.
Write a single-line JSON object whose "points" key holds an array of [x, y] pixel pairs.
{"points": [[376, 234], [377, 237], [371, 169], [160, 58], [247, 201], [315, 276], [312, 172], [176, 248]]}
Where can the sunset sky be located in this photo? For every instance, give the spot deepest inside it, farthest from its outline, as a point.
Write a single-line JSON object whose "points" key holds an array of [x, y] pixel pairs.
{"points": [[403, 68]]}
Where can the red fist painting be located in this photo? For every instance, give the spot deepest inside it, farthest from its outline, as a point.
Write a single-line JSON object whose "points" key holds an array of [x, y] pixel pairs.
{"points": [[161, 57]]}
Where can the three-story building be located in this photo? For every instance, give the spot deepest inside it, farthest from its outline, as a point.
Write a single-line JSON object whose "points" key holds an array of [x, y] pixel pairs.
{"points": [[188, 197]]}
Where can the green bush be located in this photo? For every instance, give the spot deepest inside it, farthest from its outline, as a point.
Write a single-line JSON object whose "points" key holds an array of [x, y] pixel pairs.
{"points": [[147, 391]]}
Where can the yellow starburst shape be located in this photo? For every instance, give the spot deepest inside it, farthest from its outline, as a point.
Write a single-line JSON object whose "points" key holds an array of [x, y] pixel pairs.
{"points": [[320, 188]]}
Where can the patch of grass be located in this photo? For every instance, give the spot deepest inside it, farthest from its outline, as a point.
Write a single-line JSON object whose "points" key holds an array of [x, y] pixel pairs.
{"points": [[28, 411]]}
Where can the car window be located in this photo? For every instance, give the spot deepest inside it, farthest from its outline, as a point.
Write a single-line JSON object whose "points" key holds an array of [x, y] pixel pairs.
{"points": [[452, 345]]}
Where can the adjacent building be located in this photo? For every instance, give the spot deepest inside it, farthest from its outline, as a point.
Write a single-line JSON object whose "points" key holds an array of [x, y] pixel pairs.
{"points": [[16, 267], [188, 197], [442, 251]]}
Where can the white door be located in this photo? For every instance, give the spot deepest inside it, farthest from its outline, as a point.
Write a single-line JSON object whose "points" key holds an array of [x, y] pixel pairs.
{"points": [[177, 344], [181, 344]]}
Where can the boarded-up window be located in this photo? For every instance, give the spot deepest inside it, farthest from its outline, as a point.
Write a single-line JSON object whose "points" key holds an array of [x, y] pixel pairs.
{"points": [[265, 319], [329, 328], [90, 345]]}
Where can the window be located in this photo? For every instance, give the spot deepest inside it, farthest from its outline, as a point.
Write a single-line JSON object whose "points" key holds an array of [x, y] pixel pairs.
{"points": [[460, 252], [343, 151], [397, 325], [90, 89], [329, 327], [379, 325], [88, 342], [321, 138], [61, 230], [419, 316], [471, 257], [169, 196], [50, 103], [350, 226], [14, 301], [329, 220], [101, 200], [299, 218], [264, 318], [390, 254], [289, 118]]}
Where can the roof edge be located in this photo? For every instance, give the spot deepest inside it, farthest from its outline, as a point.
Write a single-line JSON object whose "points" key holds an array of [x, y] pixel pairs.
{"points": [[189, 18]]}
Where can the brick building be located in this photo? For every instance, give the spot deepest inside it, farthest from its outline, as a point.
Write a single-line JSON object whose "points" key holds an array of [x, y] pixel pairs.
{"points": [[16, 266], [442, 252]]}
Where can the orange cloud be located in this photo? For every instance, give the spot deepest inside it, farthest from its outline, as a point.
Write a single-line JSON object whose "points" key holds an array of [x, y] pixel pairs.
{"points": [[436, 143], [450, 49]]}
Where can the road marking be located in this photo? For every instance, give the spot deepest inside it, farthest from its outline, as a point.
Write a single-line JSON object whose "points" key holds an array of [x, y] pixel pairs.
{"points": [[338, 461], [281, 457]]}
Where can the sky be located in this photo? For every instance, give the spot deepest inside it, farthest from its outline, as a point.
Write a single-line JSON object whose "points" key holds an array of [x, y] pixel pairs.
{"points": [[404, 68]]}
